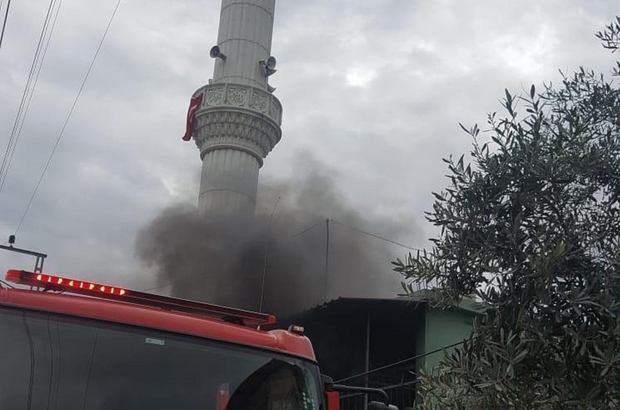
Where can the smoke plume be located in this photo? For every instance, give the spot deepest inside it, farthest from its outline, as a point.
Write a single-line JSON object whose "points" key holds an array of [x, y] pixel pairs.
{"points": [[224, 261]]}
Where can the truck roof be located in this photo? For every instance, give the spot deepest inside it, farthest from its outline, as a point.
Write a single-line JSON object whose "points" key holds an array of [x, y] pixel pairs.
{"points": [[157, 318]]}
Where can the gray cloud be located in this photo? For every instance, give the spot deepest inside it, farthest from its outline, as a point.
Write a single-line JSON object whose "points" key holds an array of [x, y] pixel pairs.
{"points": [[372, 89]]}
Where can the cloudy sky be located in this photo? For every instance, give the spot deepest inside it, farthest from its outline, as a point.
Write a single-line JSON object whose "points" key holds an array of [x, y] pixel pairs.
{"points": [[373, 91]]}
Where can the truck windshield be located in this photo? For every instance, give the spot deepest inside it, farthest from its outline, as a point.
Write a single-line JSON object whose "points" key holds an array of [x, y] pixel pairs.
{"points": [[56, 362]]}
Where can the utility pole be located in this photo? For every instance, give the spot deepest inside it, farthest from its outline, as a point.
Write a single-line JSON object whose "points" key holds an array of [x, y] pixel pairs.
{"points": [[262, 288], [326, 257], [38, 265]]}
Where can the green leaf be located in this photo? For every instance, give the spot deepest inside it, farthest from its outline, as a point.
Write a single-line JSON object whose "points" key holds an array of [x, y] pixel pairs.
{"points": [[530, 228]]}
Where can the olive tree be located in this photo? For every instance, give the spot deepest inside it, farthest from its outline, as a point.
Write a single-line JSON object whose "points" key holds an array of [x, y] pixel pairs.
{"points": [[531, 228]]}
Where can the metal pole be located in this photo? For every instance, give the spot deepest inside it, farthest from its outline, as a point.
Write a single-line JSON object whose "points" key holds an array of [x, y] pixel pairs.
{"points": [[40, 257], [326, 257], [262, 288]]}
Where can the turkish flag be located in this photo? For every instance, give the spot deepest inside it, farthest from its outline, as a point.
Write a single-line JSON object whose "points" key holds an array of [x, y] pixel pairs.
{"points": [[191, 113]]}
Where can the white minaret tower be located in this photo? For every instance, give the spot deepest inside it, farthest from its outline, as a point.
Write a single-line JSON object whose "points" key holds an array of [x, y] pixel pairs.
{"points": [[238, 120]]}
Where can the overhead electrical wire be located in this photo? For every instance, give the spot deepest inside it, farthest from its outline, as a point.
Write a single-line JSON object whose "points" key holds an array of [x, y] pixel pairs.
{"points": [[33, 66], [358, 230], [307, 229], [6, 16], [18, 117], [64, 126], [409, 359], [376, 236], [384, 388], [37, 64]]}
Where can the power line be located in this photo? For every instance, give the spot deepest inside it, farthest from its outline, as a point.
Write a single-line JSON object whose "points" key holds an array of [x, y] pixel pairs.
{"points": [[307, 229], [262, 288], [401, 362], [376, 236], [29, 91], [297, 209], [6, 16], [26, 96], [62, 131], [18, 117], [326, 256], [384, 388], [293, 203]]}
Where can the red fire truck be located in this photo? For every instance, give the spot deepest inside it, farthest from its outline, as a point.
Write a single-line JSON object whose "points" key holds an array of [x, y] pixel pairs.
{"points": [[71, 344]]}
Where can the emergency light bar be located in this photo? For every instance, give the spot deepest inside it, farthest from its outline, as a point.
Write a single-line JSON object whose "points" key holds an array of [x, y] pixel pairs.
{"points": [[60, 284]]}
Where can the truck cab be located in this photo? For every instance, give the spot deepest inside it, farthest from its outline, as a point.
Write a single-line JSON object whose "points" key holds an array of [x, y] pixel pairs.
{"points": [[71, 344]]}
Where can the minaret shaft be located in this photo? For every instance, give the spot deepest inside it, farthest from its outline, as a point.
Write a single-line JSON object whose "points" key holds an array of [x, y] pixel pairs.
{"points": [[229, 181], [238, 121], [245, 33]]}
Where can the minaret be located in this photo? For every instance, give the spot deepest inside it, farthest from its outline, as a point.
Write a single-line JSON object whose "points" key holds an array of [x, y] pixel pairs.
{"points": [[238, 120]]}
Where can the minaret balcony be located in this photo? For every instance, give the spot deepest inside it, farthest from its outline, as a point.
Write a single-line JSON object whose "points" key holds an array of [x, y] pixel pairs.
{"points": [[230, 95], [240, 117]]}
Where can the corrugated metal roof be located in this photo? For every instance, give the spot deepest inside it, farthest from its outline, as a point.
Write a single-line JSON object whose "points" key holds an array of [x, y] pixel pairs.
{"points": [[420, 298]]}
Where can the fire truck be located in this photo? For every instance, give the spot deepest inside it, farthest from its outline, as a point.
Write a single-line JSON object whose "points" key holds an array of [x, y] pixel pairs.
{"points": [[72, 344]]}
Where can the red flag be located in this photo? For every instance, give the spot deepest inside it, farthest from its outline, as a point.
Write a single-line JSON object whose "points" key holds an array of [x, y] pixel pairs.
{"points": [[191, 112]]}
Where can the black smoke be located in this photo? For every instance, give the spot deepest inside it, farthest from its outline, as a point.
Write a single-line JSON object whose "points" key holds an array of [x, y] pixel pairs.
{"points": [[223, 261]]}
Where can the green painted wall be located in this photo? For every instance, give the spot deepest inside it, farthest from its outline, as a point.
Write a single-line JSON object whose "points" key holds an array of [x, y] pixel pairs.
{"points": [[442, 328]]}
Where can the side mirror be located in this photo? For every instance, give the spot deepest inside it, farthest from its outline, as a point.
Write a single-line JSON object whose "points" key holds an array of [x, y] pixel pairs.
{"points": [[377, 405], [328, 382], [333, 397]]}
